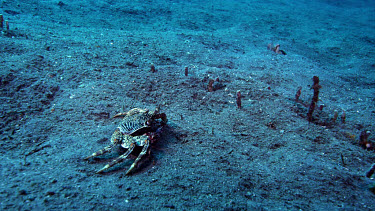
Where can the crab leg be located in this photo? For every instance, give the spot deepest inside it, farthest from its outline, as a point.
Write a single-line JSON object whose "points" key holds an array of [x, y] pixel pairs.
{"points": [[117, 135], [117, 160], [102, 151], [120, 115], [143, 152]]}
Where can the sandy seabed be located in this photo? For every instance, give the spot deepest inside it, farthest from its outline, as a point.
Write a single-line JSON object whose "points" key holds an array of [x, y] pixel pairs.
{"points": [[67, 67]]}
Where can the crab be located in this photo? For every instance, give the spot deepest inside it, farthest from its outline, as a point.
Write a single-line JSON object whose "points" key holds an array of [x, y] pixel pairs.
{"points": [[139, 127]]}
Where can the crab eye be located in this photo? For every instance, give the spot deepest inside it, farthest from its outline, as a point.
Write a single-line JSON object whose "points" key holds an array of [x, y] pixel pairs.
{"points": [[148, 123]]}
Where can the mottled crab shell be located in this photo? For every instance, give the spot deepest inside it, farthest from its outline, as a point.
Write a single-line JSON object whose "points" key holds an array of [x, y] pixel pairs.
{"points": [[135, 122]]}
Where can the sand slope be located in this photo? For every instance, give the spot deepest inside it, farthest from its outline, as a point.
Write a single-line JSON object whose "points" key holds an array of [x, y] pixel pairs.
{"points": [[66, 67]]}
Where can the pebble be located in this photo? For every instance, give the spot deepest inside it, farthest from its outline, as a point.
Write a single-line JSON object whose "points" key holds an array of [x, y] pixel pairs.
{"points": [[22, 192]]}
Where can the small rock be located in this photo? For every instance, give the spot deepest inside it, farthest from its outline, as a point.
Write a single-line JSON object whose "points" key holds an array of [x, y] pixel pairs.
{"points": [[50, 193], [22, 192], [169, 206]]}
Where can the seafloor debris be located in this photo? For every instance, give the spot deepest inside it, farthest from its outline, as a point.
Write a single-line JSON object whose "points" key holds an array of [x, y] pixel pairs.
{"points": [[343, 117], [371, 171], [210, 87], [276, 49], [364, 142], [299, 91], [7, 31], [1, 21]]}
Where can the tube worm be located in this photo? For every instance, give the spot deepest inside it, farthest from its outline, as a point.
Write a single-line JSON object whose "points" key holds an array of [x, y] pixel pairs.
{"points": [[238, 100], [153, 68], [315, 98], [210, 85]]}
